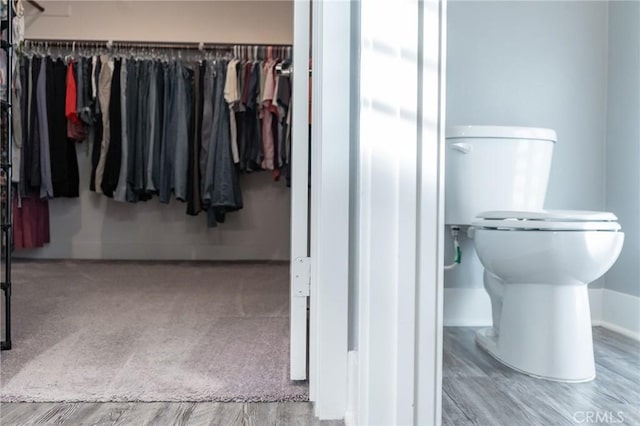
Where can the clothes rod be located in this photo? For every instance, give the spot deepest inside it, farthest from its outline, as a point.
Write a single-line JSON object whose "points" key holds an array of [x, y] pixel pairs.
{"points": [[156, 44]]}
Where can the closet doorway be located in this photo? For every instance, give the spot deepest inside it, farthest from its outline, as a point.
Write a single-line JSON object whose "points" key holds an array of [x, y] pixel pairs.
{"points": [[139, 301]]}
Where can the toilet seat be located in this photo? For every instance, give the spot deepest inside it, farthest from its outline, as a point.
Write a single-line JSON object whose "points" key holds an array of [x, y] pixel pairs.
{"points": [[548, 220]]}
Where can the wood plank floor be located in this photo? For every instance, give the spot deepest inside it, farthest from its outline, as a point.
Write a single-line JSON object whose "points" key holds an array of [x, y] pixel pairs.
{"points": [[478, 390], [161, 414]]}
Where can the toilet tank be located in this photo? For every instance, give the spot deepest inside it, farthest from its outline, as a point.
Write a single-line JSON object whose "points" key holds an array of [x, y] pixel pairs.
{"points": [[495, 168]]}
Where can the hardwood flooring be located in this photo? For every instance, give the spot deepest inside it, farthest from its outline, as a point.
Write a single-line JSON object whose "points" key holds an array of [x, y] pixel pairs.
{"points": [[161, 414], [478, 390]]}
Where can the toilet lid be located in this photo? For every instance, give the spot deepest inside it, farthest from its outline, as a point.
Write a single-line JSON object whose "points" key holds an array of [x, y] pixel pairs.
{"points": [[551, 220]]}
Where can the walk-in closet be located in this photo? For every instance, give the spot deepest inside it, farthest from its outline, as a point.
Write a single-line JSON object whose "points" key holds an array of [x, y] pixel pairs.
{"points": [[147, 192]]}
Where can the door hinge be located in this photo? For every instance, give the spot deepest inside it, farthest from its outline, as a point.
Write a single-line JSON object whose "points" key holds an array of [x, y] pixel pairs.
{"points": [[301, 271]]}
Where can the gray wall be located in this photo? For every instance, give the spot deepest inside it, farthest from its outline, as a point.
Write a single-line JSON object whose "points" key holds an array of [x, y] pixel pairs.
{"points": [[94, 227], [623, 141], [541, 64]]}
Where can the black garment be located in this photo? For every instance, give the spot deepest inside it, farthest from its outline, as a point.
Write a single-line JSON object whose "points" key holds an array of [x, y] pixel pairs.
{"points": [[169, 120], [132, 118], [159, 128], [141, 145], [284, 99], [240, 112], [97, 129], [85, 112], [194, 201], [65, 179], [188, 76], [254, 150], [276, 145], [24, 107], [114, 153]]}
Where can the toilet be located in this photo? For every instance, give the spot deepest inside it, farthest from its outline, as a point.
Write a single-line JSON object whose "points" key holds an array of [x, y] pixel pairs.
{"points": [[537, 263]]}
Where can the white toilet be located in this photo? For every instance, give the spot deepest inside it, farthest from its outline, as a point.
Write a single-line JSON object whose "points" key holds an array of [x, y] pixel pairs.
{"points": [[537, 262]]}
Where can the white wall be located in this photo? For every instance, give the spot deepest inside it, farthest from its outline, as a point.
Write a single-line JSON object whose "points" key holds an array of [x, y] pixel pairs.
{"points": [[623, 141], [93, 227], [541, 64]]}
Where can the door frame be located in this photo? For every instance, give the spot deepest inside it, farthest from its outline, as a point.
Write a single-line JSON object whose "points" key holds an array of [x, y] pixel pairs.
{"points": [[330, 141], [412, 317], [397, 359], [299, 262], [323, 235]]}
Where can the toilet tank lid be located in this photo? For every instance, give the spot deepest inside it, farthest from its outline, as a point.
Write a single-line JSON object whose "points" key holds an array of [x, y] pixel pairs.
{"points": [[551, 215], [504, 132]]}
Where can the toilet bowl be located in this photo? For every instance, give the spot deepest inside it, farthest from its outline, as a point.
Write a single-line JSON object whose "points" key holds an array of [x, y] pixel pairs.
{"points": [[538, 265]]}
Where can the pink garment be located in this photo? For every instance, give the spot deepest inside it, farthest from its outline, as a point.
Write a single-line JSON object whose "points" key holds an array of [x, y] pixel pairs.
{"points": [[267, 116], [30, 223]]}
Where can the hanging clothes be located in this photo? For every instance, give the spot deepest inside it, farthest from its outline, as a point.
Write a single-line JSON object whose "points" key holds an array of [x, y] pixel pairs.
{"points": [[75, 127], [169, 132], [34, 127], [30, 222], [153, 131], [132, 119], [65, 177], [23, 146], [97, 130], [113, 156], [283, 98], [120, 194], [176, 129], [194, 197], [84, 99], [16, 153], [42, 95], [221, 191], [267, 116], [231, 95], [141, 133], [184, 112], [104, 93]]}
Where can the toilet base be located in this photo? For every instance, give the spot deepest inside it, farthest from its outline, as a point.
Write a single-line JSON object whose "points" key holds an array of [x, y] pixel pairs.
{"points": [[487, 340]]}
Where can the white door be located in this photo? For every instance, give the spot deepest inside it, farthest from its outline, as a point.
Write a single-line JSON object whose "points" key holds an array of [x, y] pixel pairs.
{"points": [[300, 262]]}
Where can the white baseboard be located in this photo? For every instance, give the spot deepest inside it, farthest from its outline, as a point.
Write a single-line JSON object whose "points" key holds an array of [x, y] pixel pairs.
{"points": [[352, 389], [619, 312], [466, 307]]}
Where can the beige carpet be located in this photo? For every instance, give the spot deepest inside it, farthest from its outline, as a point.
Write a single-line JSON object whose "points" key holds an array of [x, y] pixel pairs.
{"points": [[147, 331]]}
